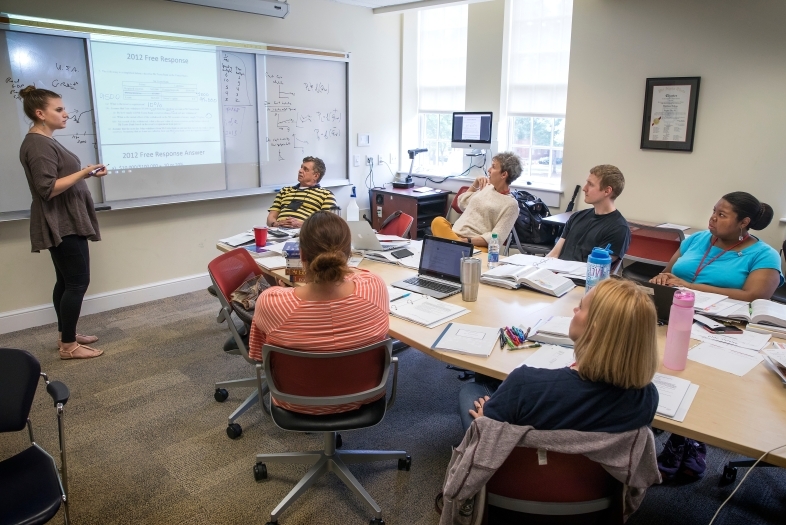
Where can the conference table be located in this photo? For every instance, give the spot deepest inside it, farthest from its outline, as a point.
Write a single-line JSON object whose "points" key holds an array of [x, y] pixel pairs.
{"points": [[746, 415]]}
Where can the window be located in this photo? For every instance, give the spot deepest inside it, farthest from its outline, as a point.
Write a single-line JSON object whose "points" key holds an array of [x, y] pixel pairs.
{"points": [[442, 72], [539, 55]]}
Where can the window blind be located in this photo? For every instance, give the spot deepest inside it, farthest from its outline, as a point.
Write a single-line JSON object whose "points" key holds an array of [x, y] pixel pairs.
{"points": [[442, 58]]}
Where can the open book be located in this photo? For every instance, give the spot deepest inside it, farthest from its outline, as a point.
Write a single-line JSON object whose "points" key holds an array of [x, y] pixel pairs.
{"points": [[570, 269], [760, 311], [512, 276]]}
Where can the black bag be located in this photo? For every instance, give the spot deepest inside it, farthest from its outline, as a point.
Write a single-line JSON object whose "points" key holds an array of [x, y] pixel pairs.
{"points": [[529, 225]]}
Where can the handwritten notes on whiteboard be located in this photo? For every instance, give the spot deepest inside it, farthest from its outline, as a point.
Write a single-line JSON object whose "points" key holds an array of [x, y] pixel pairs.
{"points": [[55, 63], [304, 113], [237, 84]]}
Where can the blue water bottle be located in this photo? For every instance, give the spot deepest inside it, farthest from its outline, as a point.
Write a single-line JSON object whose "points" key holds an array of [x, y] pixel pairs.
{"points": [[598, 267]]}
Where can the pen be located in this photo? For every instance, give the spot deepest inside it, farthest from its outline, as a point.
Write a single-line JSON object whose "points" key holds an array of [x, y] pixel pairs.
{"points": [[401, 297], [532, 345]]}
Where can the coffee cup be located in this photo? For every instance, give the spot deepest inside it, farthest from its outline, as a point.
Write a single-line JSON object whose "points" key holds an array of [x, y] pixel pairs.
{"points": [[260, 235]]}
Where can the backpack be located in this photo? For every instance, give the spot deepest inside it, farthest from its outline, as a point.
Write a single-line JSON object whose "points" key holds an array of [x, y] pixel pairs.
{"points": [[529, 224]]}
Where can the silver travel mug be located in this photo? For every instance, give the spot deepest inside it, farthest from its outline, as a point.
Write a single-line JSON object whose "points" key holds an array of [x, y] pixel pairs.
{"points": [[470, 278]]}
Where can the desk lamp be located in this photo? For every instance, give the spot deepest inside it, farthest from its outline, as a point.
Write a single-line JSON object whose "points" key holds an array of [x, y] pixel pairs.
{"points": [[406, 182]]}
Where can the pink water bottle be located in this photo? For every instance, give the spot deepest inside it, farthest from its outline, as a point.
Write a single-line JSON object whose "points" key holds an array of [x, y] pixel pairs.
{"points": [[678, 333]]}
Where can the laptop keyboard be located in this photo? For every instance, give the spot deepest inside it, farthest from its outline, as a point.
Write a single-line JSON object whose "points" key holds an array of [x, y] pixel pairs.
{"points": [[432, 285]]}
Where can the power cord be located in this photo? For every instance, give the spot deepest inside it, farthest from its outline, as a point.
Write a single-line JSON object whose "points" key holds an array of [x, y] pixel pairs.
{"points": [[370, 177], [741, 482], [447, 177], [389, 169]]}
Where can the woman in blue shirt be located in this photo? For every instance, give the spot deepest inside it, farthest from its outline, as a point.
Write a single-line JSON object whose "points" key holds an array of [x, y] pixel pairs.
{"points": [[726, 259]]}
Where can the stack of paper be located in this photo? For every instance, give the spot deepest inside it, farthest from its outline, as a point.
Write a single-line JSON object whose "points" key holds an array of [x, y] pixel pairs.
{"points": [[551, 357], [467, 339], [425, 311], [554, 331], [706, 299], [775, 360], [240, 238], [675, 396], [273, 262], [747, 339], [734, 360]]}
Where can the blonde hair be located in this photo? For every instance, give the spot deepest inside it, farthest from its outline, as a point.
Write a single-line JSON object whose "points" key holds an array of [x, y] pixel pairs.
{"points": [[619, 346]]}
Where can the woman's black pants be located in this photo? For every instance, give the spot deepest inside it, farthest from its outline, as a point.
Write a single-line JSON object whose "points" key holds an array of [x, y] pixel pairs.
{"points": [[72, 268]]}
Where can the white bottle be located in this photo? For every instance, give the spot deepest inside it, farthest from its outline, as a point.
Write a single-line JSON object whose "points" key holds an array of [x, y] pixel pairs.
{"points": [[353, 212], [493, 251]]}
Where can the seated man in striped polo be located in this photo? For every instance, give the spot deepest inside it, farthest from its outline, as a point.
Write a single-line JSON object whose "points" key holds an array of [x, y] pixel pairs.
{"points": [[294, 204]]}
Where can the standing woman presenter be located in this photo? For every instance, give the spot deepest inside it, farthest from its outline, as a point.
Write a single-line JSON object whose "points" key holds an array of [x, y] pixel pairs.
{"points": [[62, 215]]}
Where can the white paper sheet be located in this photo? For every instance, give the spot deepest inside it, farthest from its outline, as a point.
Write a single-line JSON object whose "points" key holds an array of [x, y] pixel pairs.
{"points": [[273, 262], [747, 339], [673, 226], [687, 401], [724, 308], [777, 354], [551, 357], [671, 391], [240, 238], [737, 361], [706, 299], [468, 339], [426, 311], [556, 325]]}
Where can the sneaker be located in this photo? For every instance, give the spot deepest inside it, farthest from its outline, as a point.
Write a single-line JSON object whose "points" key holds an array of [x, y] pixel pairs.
{"points": [[671, 457], [695, 462]]}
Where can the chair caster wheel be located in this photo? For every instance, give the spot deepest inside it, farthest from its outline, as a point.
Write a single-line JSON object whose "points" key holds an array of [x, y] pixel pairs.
{"points": [[234, 431], [220, 395], [728, 477], [260, 472], [339, 441], [405, 463], [377, 521]]}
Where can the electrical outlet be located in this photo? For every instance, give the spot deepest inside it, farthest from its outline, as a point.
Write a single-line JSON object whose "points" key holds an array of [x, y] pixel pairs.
{"points": [[380, 160], [369, 161], [393, 159], [356, 160]]}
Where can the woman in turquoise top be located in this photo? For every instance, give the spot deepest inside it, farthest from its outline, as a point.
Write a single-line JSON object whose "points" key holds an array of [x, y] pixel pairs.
{"points": [[726, 259]]}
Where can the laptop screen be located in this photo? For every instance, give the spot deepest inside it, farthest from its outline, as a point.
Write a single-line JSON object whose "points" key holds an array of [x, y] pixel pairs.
{"points": [[441, 258]]}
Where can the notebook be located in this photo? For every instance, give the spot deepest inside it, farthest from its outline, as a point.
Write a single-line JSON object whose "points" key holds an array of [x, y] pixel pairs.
{"points": [[439, 274]]}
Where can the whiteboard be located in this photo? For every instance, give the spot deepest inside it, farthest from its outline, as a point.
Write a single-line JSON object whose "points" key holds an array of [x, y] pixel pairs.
{"points": [[274, 106], [51, 62], [302, 112], [237, 85]]}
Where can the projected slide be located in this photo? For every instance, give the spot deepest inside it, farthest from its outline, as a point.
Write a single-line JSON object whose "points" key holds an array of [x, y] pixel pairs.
{"points": [[158, 106]]}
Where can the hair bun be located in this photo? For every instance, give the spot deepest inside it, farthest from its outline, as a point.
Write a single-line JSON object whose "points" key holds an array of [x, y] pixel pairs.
{"points": [[764, 217], [26, 91], [328, 267]]}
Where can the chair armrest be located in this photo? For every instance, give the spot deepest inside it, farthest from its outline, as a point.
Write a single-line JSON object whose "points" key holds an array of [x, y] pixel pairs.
{"points": [[394, 362], [58, 391]]}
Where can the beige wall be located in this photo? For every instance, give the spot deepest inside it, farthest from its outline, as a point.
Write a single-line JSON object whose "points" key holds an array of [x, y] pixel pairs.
{"points": [[739, 51], [153, 244]]}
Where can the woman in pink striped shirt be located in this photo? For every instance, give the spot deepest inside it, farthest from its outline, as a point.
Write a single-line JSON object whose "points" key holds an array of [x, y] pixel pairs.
{"points": [[337, 309]]}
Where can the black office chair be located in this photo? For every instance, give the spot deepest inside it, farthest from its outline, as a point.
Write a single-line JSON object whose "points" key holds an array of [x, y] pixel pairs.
{"points": [[780, 293], [353, 376], [31, 489]]}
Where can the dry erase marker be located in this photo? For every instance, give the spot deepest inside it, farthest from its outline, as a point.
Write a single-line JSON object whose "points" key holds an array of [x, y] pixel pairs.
{"points": [[533, 345], [96, 170]]}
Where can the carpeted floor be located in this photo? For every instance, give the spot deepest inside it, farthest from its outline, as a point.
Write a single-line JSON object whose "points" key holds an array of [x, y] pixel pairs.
{"points": [[146, 439]]}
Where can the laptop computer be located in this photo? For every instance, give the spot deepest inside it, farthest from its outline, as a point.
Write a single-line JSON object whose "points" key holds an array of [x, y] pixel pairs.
{"points": [[662, 296], [364, 238], [439, 274]]}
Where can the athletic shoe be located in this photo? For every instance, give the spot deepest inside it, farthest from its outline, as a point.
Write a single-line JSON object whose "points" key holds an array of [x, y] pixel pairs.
{"points": [[671, 457], [695, 461]]}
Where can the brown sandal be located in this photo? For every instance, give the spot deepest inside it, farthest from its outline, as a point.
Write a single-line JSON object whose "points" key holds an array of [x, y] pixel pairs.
{"points": [[80, 352], [81, 339]]}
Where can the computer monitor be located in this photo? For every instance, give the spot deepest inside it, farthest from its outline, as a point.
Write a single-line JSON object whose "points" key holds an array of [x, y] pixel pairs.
{"points": [[471, 130]]}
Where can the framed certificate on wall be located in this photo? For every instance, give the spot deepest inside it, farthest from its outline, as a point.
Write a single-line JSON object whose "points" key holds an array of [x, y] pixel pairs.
{"points": [[670, 113]]}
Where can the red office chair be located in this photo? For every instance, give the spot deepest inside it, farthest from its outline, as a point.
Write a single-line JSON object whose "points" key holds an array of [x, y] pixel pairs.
{"points": [[650, 250], [228, 271], [454, 204], [568, 489], [323, 379], [398, 223]]}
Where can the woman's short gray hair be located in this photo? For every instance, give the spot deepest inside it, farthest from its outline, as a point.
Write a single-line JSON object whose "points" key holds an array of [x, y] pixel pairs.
{"points": [[509, 162]]}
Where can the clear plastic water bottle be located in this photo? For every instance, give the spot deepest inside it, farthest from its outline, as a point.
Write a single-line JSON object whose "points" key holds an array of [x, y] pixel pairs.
{"points": [[494, 251], [678, 334], [353, 212], [598, 267]]}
